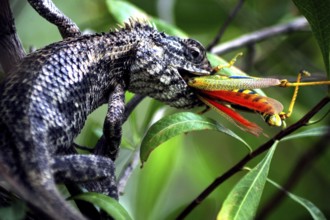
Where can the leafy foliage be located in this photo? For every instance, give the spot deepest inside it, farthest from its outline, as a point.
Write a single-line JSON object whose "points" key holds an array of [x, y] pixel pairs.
{"points": [[15, 212], [185, 165], [317, 13], [179, 123], [309, 206], [313, 132], [107, 204], [242, 202]]}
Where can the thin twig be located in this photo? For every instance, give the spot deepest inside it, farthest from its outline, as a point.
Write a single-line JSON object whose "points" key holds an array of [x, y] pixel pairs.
{"points": [[299, 24], [127, 171], [225, 25], [305, 162], [249, 58], [132, 104], [236, 168], [132, 164]]}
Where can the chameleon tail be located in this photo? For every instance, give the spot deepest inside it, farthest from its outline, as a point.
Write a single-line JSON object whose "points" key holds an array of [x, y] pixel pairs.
{"points": [[38, 186]]}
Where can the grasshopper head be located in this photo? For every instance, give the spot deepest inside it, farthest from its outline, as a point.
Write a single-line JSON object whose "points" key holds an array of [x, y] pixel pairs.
{"points": [[273, 120]]}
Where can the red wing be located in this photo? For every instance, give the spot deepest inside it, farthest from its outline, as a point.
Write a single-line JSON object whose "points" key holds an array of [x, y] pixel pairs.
{"points": [[254, 102], [233, 116]]}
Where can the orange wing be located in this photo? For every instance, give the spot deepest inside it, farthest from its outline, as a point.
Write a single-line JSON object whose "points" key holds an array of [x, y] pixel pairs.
{"points": [[233, 116], [254, 102]]}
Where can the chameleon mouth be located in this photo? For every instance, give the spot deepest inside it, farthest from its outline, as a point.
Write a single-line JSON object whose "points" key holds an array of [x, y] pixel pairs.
{"points": [[187, 75]]}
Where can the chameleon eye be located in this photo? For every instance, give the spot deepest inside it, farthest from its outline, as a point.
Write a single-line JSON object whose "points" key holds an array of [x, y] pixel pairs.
{"points": [[193, 51], [195, 54]]}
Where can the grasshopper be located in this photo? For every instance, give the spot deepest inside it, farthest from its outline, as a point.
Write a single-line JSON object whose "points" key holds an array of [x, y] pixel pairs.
{"points": [[224, 94]]}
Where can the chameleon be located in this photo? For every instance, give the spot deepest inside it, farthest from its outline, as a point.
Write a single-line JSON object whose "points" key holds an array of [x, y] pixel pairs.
{"points": [[46, 98]]}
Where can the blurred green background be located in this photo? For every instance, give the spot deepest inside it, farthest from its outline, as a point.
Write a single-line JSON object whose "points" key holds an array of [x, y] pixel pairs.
{"points": [[182, 167]]}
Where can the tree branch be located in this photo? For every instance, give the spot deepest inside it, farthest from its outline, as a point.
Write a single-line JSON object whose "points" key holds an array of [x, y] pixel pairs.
{"points": [[132, 104], [225, 25], [299, 24], [134, 160], [236, 168], [11, 49]]}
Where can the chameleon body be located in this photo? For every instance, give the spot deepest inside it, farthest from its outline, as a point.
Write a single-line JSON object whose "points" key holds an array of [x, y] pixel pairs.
{"points": [[45, 101]]}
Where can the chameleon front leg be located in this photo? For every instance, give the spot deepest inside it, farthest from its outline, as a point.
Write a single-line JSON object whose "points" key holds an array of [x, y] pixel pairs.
{"points": [[51, 13], [97, 173], [129, 107], [109, 143], [94, 173]]}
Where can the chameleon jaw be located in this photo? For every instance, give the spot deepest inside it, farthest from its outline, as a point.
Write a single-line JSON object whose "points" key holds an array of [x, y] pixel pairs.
{"points": [[188, 75]]}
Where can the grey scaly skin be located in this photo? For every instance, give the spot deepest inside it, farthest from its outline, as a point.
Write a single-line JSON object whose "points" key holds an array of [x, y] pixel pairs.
{"points": [[46, 100]]}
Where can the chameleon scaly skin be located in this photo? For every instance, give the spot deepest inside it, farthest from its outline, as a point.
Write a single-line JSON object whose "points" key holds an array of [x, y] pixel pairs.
{"points": [[46, 100]]}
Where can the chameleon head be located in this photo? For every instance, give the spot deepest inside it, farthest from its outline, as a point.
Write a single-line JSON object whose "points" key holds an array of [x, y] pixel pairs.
{"points": [[163, 66]]}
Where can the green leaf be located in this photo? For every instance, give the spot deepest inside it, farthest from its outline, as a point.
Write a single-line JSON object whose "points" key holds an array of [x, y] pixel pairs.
{"points": [[314, 132], [153, 182], [169, 29], [176, 124], [311, 208], [318, 16], [123, 10], [154, 106], [242, 202], [106, 203], [15, 212]]}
